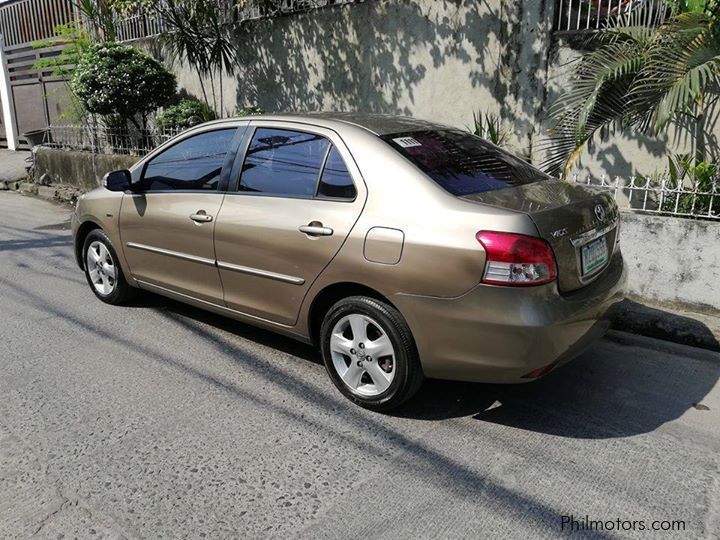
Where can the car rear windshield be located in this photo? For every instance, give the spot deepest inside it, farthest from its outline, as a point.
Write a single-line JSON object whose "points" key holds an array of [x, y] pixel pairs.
{"points": [[462, 163]]}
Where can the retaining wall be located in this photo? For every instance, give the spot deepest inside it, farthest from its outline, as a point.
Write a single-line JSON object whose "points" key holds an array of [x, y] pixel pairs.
{"points": [[672, 260], [79, 169]]}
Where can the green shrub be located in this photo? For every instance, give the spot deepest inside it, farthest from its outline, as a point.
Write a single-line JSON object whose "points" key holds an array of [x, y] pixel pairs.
{"points": [[117, 79], [187, 113], [248, 111], [488, 126]]}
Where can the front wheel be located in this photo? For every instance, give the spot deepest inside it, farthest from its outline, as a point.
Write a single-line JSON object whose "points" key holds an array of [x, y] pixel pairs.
{"points": [[102, 270], [369, 353]]}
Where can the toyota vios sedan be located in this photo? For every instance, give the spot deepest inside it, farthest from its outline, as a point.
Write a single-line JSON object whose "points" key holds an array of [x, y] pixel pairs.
{"points": [[402, 249]]}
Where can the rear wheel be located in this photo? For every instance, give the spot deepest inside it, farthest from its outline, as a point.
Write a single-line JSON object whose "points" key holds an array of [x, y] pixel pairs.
{"points": [[370, 353], [102, 270]]}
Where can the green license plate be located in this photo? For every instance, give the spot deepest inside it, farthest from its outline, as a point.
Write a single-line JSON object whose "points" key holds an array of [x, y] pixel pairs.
{"points": [[594, 256]]}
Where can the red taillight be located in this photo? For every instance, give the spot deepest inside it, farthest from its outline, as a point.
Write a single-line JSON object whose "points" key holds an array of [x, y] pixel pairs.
{"points": [[539, 372], [516, 259]]}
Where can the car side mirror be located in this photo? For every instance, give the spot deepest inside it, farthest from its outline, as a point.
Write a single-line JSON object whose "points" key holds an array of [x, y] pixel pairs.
{"points": [[117, 180]]}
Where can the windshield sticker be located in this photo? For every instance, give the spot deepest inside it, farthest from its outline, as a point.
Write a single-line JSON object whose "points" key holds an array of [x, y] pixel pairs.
{"points": [[406, 142]]}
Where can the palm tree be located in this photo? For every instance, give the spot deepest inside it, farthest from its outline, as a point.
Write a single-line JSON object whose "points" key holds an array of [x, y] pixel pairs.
{"points": [[197, 31], [637, 78]]}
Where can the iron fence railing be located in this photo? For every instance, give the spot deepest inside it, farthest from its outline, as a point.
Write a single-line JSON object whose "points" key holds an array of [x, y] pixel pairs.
{"points": [[149, 24], [662, 195], [27, 21], [579, 15], [256, 10], [24, 22], [105, 140]]}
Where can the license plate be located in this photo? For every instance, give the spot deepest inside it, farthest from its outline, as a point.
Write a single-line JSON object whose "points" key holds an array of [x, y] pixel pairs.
{"points": [[594, 255]]}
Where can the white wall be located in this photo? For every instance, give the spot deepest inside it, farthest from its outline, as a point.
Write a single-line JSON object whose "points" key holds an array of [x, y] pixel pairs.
{"points": [[672, 260], [439, 60]]}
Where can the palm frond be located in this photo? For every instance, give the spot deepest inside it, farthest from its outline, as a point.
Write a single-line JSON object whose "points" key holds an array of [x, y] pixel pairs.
{"points": [[634, 76]]}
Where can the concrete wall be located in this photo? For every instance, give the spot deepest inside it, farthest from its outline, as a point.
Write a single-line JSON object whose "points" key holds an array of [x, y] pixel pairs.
{"points": [[78, 169], [439, 60], [672, 260]]}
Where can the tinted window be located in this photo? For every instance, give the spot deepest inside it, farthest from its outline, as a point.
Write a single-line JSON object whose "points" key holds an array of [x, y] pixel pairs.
{"points": [[194, 163], [336, 181], [283, 162], [463, 163]]}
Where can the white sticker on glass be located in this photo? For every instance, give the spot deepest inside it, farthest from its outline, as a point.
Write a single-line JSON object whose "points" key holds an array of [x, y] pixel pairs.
{"points": [[406, 142]]}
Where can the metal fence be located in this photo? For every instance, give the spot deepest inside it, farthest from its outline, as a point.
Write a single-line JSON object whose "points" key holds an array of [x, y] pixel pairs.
{"points": [[26, 21], [149, 24], [256, 10], [34, 20], [662, 195], [106, 140], [579, 15], [138, 26]]}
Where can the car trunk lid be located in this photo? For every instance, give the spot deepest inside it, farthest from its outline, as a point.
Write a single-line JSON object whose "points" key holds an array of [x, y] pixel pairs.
{"points": [[578, 222]]}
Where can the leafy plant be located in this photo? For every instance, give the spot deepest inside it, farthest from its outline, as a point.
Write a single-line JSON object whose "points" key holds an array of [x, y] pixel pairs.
{"points": [[130, 7], [248, 111], [98, 15], [637, 78], [197, 31], [267, 7], [488, 126], [187, 113], [687, 186], [694, 6], [117, 79], [76, 41]]}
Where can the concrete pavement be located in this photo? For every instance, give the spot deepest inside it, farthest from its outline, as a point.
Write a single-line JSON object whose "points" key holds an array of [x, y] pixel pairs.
{"points": [[12, 165], [159, 420]]}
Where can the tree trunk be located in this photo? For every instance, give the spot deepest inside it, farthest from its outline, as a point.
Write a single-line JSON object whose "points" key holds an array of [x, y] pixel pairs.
{"points": [[222, 100], [700, 143], [202, 87], [212, 89]]}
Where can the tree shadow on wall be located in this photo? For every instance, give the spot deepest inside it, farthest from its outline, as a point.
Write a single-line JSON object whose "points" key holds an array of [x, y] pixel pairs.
{"points": [[373, 57]]}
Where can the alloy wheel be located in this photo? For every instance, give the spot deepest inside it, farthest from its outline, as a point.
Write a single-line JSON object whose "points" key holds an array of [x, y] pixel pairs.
{"points": [[362, 355], [101, 268]]}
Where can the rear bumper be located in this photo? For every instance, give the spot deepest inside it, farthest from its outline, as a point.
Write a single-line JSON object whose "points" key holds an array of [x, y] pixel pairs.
{"points": [[498, 334]]}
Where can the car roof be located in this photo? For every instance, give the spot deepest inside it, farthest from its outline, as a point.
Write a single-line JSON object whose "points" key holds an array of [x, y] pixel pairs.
{"points": [[379, 124]]}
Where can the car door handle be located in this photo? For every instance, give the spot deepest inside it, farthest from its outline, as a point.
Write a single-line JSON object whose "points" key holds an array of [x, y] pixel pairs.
{"points": [[201, 218], [315, 229]]}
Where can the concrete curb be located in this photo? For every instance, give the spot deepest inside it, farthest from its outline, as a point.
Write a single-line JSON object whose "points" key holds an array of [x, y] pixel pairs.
{"points": [[57, 193], [686, 328]]}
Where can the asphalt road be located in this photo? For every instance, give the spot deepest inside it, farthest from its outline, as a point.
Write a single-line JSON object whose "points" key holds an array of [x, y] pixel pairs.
{"points": [[162, 421]]}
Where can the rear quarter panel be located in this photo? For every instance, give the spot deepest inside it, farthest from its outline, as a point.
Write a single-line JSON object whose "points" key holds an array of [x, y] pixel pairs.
{"points": [[440, 255]]}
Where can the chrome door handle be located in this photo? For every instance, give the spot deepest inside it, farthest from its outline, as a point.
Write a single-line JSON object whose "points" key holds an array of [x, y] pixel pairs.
{"points": [[315, 230], [201, 218]]}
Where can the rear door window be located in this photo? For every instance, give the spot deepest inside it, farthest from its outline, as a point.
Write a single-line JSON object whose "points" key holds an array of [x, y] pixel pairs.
{"points": [[462, 163], [283, 162], [335, 182]]}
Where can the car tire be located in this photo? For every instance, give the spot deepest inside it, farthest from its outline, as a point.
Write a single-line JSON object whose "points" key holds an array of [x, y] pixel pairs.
{"points": [[369, 353], [102, 269]]}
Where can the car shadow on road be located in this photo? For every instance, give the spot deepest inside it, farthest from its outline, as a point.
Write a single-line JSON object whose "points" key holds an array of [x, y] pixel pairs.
{"points": [[623, 386], [245, 331]]}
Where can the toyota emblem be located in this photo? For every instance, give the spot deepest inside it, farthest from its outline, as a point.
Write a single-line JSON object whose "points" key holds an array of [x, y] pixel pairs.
{"points": [[600, 212]]}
